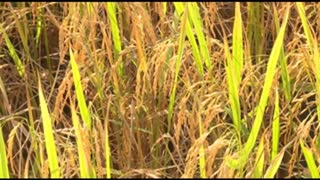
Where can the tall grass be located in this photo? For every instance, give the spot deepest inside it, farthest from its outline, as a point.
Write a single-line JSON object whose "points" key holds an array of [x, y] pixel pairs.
{"points": [[274, 56], [234, 68], [159, 89]]}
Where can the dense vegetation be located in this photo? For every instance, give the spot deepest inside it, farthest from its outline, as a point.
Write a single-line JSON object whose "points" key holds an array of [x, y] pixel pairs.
{"points": [[159, 89]]}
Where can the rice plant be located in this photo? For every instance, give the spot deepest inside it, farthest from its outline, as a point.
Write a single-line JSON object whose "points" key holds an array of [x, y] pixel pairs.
{"points": [[159, 89]]}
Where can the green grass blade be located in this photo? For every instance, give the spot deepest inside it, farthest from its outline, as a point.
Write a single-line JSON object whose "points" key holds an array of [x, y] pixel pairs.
{"points": [[90, 8], [310, 161], [275, 128], [195, 49], [258, 170], [111, 9], [237, 45], [194, 15], [107, 144], [108, 154], [274, 166], [23, 30], [233, 93], [271, 68], [283, 63], [84, 111], [83, 161], [184, 20], [164, 5], [4, 171], [48, 134], [12, 52], [305, 25], [233, 69], [202, 158], [39, 26]]}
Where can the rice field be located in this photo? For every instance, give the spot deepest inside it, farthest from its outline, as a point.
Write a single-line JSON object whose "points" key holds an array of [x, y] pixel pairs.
{"points": [[159, 89]]}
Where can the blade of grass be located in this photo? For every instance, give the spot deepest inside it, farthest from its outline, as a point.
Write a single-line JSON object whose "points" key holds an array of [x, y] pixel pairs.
{"points": [[275, 164], [310, 160], [275, 128], [108, 152], [90, 8], [233, 69], [83, 161], [111, 9], [305, 25], [271, 68], [195, 50], [237, 45], [194, 15], [84, 111], [23, 30], [39, 26], [184, 20], [4, 171], [283, 63], [258, 170], [12, 52], [202, 158], [164, 5], [48, 134]]}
